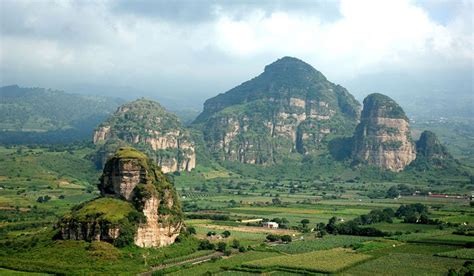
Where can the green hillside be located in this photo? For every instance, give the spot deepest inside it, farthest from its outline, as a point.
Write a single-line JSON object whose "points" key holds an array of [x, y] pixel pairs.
{"points": [[43, 115]]}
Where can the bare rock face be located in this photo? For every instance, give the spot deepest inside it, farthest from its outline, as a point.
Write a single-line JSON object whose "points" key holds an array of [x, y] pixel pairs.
{"points": [[382, 138], [145, 124], [290, 108], [136, 198]]}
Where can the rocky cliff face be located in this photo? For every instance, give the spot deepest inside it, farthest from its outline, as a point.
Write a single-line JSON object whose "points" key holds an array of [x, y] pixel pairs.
{"points": [[289, 108], [382, 137], [138, 203], [148, 126]]}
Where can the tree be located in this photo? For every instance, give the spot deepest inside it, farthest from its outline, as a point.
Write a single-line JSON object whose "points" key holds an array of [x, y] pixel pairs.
{"points": [[305, 222], [226, 234], [221, 246], [211, 233], [331, 226], [276, 201], [206, 245], [424, 219], [320, 226], [277, 220], [191, 230], [286, 238], [273, 238], [235, 244]]}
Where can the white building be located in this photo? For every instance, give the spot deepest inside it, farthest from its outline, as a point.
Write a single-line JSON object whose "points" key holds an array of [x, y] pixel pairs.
{"points": [[270, 224]]}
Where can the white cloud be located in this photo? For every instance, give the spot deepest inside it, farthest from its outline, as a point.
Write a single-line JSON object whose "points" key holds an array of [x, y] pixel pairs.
{"points": [[55, 43], [370, 35]]}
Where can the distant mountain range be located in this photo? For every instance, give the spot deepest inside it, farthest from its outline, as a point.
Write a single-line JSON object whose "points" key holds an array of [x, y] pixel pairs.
{"points": [[38, 115], [290, 113]]}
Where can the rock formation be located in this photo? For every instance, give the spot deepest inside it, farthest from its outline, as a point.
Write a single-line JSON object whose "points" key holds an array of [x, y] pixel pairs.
{"points": [[290, 108], [431, 154], [145, 124], [138, 205], [382, 138]]}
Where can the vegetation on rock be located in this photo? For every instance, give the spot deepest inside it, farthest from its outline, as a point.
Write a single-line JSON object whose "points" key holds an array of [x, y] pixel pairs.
{"points": [[132, 185], [146, 125], [289, 108]]}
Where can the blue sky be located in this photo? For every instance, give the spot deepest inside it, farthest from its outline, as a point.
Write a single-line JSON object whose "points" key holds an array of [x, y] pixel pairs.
{"points": [[190, 50]]}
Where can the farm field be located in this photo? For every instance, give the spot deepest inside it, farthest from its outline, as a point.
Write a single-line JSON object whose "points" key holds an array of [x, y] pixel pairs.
{"points": [[327, 261], [216, 201], [405, 264]]}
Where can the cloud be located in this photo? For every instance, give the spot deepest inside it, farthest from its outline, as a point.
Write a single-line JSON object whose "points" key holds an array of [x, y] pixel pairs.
{"points": [[370, 35], [177, 48]]}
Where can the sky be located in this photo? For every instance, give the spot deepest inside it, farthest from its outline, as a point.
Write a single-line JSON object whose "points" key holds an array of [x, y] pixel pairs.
{"points": [[184, 51]]}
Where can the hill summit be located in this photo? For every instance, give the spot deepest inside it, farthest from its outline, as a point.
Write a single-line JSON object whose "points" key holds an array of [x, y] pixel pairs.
{"points": [[382, 138], [145, 124], [291, 108], [432, 154]]}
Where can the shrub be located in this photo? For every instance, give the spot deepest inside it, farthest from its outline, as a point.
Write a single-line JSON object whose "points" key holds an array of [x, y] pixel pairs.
{"points": [[206, 245], [273, 238], [191, 230], [235, 244], [226, 234], [286, 238], [221, 246]]}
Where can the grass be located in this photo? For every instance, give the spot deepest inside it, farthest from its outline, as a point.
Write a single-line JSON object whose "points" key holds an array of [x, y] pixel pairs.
{"points": [[413, 248], [405, 264], [393, 227], [448, 239], [464, 253], [222, 264], [109, 209], [81, 258], [328, 242], [129, 152], [327, 261], [374, 245], [4, 271], [26, 174]]}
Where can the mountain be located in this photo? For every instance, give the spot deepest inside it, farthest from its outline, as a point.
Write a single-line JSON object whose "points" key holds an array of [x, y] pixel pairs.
{"points": [[382, 138], [146, 125], [137, 205], [291, 108], [38, 115], [430, 153]]}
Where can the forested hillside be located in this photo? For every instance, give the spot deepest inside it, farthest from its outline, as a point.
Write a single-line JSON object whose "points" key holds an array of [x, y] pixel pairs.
{"points": [[38, 115]]}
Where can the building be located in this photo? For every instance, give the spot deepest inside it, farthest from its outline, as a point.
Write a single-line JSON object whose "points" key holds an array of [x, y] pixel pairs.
{"points": [[270, 224]]}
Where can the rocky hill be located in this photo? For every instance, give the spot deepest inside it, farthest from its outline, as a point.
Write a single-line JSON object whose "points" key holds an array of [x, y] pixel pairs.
{"points": [[289, 108], [382, 138], [430, 153], [145, 124], [138, 205]]}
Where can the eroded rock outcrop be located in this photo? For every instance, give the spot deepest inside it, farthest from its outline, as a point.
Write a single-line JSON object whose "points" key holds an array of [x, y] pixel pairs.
{"points": [[138, 205], [290, 108], [431, 154], [382, 138], [145, 124]]}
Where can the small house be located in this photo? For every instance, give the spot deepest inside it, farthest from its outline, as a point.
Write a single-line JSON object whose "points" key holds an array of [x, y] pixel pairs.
{"points": [[270, 224]]}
